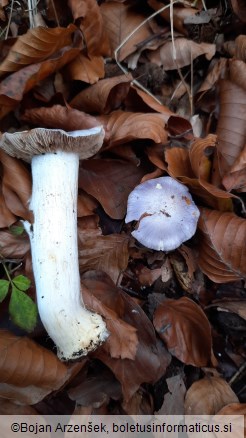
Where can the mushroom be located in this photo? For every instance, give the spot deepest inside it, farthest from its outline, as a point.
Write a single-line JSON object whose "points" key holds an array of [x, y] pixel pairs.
{"points": [[165, 211], [54, 155]]}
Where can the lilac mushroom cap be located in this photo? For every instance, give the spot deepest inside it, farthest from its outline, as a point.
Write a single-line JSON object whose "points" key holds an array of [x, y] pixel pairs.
{"points": [[166, 213]]}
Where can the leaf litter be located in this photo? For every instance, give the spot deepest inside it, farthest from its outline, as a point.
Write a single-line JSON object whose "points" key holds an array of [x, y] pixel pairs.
{"points": [[144, 74]]}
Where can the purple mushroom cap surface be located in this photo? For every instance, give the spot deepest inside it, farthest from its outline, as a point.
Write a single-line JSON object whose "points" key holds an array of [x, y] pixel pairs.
{"points": [[166, 213]]}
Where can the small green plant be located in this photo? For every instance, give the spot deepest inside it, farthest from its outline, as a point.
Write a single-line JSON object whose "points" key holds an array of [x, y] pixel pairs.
{"points": [[23, 311]]}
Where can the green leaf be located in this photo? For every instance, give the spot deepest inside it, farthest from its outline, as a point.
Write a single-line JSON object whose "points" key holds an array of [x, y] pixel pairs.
{"points": [[4, 288], [16, 230], [21, 282], [23, 310]]}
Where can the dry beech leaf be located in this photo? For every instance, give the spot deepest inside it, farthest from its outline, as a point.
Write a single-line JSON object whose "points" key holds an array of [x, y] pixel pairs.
{"points": [[237, 71], [235, 179], [88, 15], [12, 246], [119, 21], [199, 154], [186, 52], [233, 409], [138, 100], [105, 253], [13, 88], [9, 408], [6, 217], [179, 167], [222, 251], [146, 276], [24, 363], [35, 46], [239, 8], [234, 306], [16, 186], [122, 127], [85, 69], [28, 395], [103, 97], [96, 390], [216, 70], [231, 128], [110, 181], [174, 399], [185, 329], [61, 117], [151, 358], [141, 403], [208, 395], [240, 47], [179, 14], [97, 287]]}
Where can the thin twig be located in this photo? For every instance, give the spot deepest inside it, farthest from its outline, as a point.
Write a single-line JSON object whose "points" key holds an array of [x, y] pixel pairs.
{"points": [[125, 71], [238, 373], [10, 18], [56, 16], [175, 58]]}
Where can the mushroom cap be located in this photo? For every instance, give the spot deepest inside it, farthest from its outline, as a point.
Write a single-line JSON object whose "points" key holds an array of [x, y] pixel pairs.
{"points": [[37, 141], [165, 211]]}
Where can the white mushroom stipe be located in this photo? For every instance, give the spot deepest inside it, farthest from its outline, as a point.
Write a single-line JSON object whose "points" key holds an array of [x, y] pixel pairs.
{"points": [[165, 211], [55, 162], [75, 330]]}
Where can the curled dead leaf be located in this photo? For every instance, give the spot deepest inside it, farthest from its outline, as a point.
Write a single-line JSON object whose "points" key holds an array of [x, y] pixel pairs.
{"points": [[16, 186], [103, 97], [24, 363], [184, 53], [13, 88], [222, 252], [60, 117], [35, 46], [87, 13], [185, 329], [110, 181], [150, 358], [106, 253], [122, 127], [120, 20], [208, 395]]}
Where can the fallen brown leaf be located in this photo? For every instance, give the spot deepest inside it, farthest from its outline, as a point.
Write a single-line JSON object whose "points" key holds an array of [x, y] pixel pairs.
{"points": [[185, 329], [231, 128], [24, 363], [85, 69], [235, 179], [16, 186], [12, 246], [13, 88], [208, 395], [174, 399], [120, 20], [102, 296], [150, 359], [222, 252], [35, 46], [87, 14], [105, 253], [110, 182], [185, 53], [122, 127], [60, 117], [105, 96], [234, 306]]}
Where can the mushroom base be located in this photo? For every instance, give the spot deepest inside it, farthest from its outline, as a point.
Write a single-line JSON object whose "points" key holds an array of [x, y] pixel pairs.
{"points": [[74, 329]]}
